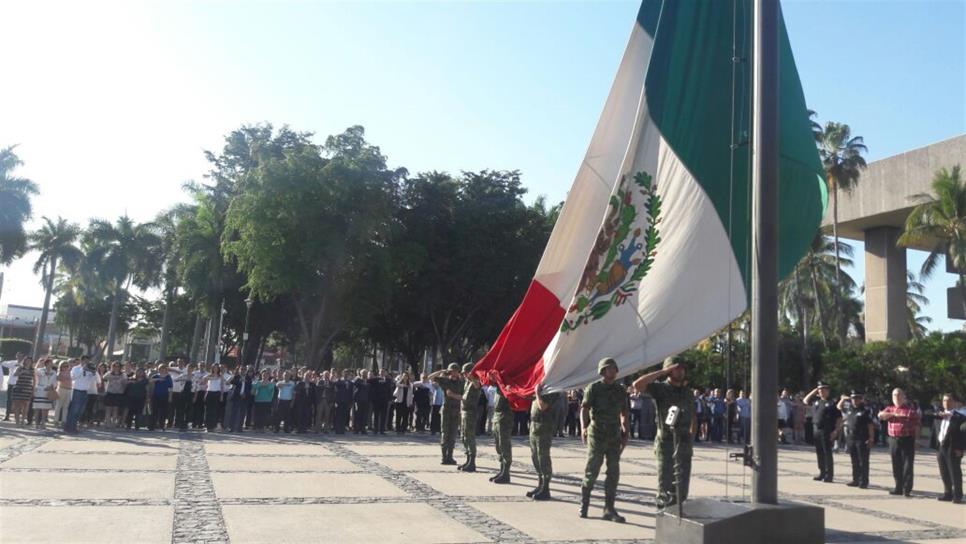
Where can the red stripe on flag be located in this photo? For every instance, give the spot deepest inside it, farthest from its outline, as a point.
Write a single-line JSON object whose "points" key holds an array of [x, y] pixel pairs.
{"points": [[517, 353]]}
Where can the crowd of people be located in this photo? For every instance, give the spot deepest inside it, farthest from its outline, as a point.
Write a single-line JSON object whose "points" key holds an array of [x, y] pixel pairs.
{"points": [[78, 393]]}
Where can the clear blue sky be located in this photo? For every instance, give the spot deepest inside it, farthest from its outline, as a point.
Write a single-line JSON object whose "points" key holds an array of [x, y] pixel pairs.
{"points": [[113, 102]]}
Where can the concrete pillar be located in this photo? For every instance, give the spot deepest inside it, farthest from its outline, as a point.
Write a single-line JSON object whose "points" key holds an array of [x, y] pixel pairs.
{"points": [[885, 285]]}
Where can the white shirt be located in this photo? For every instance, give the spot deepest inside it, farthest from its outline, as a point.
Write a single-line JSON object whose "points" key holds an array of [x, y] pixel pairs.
{"points": [[943, 429], [782, 410], [214, 384], [178, 379], [45, 379], [12, 365], [490, 392], [92, 388], [83, 379], [197, 380]]}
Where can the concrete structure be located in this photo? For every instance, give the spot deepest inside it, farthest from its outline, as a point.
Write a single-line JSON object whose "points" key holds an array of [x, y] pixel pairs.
{"points": [[876, 213]]}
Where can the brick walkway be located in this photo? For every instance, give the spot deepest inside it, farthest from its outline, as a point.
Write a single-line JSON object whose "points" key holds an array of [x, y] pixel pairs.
{"points": [[197, 487]]}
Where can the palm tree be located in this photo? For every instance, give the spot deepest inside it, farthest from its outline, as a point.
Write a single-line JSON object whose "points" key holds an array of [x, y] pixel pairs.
{"points": [[127, 253], [15, 208], [167, 228], [939, 219], [915, 300], [841, 155], [55, 242]]}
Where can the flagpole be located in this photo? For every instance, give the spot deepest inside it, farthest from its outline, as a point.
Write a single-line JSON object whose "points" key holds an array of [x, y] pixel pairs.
{"points": [[764, 280]]}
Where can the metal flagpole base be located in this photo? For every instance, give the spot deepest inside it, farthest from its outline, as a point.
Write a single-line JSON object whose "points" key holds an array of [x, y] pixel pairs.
{"points": [[707, 521]]}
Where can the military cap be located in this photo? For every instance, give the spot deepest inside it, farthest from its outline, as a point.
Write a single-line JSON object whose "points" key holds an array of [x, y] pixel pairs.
{"points": [[671, 361], [857, 393], [821, 385], [604, 363], [453, 366], [467, 367]]}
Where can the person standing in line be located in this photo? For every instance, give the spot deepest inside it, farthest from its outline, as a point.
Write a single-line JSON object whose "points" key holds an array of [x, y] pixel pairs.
{"points": [[469, 405], [263, 392], [62, 404], [343, 400], [326, 401], [603, 418], [827, 422], [636, 404], [83, 377], [361, 398], [423, 391], [490, 392], [22, 390], [744, 415], [502, 428], [161, 384], [45, 384], [115, 384], [213, 393], [543, 425], [176, 403], [859, 419], [451, 384], [136, 394], [403, 400], [952, 442], [379, 393], [903, 419], [11, 366], [676, 427], [283, 410]]}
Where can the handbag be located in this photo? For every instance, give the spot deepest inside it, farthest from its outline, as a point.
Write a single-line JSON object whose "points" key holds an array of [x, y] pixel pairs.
{"points": [[52, 395]]}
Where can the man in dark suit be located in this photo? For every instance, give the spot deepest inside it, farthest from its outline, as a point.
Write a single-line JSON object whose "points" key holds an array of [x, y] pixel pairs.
{"points": [[952, 442]]}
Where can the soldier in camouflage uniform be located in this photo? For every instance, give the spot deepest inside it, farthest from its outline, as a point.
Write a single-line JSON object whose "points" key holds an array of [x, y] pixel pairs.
{"points": [[673, 443], [502, 428], [468, 416], [452, 386], [603, 418], [543, 424]]}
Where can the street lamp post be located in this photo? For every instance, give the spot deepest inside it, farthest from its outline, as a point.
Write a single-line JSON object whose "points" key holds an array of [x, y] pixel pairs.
{"points": [[248, 312]]}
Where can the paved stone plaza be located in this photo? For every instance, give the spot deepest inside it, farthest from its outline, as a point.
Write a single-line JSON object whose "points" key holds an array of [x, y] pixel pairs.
{"points": [[168, 487]]}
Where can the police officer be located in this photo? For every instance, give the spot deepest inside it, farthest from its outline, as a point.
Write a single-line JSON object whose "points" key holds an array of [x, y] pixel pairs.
{"points": [[502, 427], [603, 421], [858, 418], [543, 424], [451, 384], [468, 418], [827, 420], [676, 425]]}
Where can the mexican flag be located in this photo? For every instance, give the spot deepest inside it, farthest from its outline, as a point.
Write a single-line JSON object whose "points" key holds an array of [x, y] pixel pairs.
{"points": [[651, 252]]}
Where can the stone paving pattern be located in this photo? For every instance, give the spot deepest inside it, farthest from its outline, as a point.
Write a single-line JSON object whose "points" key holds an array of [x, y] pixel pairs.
{"points": [[211, 487]]}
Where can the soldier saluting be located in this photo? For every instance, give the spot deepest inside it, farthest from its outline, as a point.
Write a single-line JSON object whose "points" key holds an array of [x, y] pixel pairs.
{"points": [[676, 425], [449, 380], [603, 420]]}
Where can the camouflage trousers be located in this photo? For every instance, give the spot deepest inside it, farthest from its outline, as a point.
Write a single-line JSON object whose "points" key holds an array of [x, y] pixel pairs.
{"points": [[468, 422], [673, 465], [541, 436], [603, 445], [502, 428], [449, 427]]}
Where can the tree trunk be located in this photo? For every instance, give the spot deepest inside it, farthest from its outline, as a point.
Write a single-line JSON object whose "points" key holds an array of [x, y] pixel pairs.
{"points": [[42, 327], [112, 325], [838, 265], [962, 288], [168, 292], [195, 340], [818, 310]]}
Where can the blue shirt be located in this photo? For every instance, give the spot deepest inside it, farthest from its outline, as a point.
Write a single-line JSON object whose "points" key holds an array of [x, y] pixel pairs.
{"points": [[285, 390], [162, 386], [744, 407]]}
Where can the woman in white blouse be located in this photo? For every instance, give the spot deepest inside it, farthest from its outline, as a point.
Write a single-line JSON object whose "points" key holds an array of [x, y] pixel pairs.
{"points": [[403, 398], [45, 382]]}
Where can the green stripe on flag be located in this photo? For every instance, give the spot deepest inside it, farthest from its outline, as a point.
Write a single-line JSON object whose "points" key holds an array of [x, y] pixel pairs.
{"points": [[689, 97]]}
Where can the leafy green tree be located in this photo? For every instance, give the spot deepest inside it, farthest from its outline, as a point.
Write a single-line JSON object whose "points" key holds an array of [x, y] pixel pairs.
{"points": [[939, 219], [915, 300], [126, 253], [55, 241], [15, 206]]}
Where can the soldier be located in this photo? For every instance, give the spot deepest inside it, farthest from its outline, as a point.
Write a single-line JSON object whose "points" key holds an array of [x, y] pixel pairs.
{"points": [[452, 386], [502, 427], [859, 419], [827, 420], [676, 426], [603, 419], [468, 419], [543, 425]]}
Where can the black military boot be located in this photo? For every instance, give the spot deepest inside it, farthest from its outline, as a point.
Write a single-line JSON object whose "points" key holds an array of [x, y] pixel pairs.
{"points": [[444, 455], [463, 465], [498, 473], [584, 501], [543, 494], [448, 456], [504, 476], [470, 465], [610, 513], [537, 489]]}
